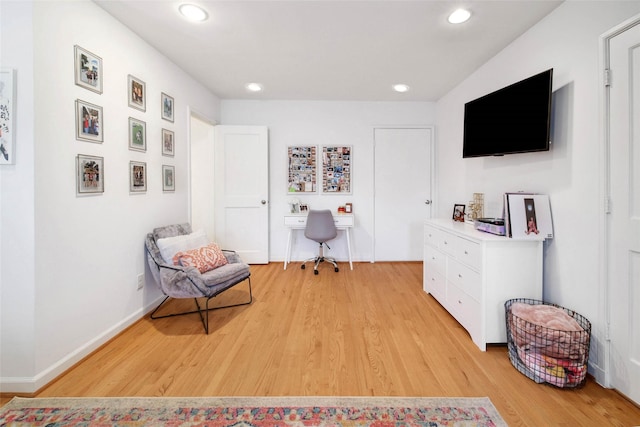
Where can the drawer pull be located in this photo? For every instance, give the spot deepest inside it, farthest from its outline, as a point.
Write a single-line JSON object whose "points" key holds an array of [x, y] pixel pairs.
{"points": [[460, 275], [466, 253], [459, 302]]}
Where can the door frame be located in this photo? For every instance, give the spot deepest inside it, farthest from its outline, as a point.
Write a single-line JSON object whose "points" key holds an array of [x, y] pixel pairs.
{"points": [[602, 371], [193, 113], [432, 173]]}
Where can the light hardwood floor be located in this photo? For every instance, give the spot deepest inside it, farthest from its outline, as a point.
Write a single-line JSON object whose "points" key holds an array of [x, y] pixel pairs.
{"points": [[367, 332]]}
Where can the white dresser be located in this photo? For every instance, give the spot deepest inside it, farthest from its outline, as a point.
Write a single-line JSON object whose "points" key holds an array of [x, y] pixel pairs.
{"points": [[472, 274]]}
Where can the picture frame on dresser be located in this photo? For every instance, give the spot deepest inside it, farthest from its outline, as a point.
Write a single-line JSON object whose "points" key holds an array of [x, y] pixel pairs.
{"points": [[458, 213]]}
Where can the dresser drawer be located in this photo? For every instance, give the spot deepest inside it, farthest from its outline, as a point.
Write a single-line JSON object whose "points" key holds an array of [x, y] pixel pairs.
{"points": [[431, 236], [468, 280], [468, 252], [435, 284], [435, 260], [464, 308]]}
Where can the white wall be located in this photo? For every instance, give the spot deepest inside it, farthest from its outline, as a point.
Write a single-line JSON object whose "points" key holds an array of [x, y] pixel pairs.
{"points": [[568, 41], [82, 255], [324, 123]]}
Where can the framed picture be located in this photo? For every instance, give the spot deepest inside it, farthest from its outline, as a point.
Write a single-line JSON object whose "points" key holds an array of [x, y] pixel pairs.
{"points": [[458, 213], [168, 147], [7, 116], [137, 177], [89, 122], [528, 216], [167, 107], [88, 69], [137, 93], [168, 178], [336, 170], [89, 174], [137, 135], [302, 169]]}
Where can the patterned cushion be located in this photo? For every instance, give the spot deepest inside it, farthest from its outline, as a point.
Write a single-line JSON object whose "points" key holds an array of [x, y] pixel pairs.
{"points": [[204, 259]]}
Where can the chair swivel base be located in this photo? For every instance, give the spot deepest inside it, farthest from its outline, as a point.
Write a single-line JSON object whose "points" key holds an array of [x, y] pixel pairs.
{"points": [[317, 261]]}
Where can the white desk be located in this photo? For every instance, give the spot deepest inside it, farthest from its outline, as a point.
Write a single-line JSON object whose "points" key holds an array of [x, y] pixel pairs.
{"points": [[299, 221]]}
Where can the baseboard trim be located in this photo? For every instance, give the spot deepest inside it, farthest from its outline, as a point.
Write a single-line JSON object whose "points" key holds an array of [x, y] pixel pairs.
{"points": [[31, 385]]}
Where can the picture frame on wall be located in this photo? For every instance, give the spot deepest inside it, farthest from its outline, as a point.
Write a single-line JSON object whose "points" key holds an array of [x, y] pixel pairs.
{"points": [[88, 69], [336, 169], [458, 212], [7, 116], [137, 177], [168, 143], [89, 122], [137, 135], [168, 178], [167, 107], [302, 169], [137, 93], [89, 174]]}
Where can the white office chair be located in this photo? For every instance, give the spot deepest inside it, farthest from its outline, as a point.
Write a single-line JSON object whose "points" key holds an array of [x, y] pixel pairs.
{"points": [[320, 228]]}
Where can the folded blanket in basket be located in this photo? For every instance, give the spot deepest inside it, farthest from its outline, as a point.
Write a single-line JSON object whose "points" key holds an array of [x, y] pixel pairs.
{"points": [[549, 329], [559, 372]]}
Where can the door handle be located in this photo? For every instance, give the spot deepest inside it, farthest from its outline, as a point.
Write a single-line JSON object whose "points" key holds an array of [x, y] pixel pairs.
{"points": [[264, 202], [427, 202]]}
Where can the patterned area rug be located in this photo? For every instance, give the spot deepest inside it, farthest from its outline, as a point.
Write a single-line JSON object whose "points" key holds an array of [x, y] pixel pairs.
{"points": [[251, 412]]}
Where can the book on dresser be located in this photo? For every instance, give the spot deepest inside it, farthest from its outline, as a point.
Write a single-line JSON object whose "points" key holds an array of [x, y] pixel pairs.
{"points": [[472, 274]]}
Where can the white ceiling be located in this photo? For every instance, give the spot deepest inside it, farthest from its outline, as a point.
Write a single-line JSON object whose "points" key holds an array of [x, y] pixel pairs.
{"points": [[330, 50]]}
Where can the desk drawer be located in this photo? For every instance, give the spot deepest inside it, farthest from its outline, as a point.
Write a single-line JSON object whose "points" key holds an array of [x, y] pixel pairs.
{"points": [[343, 220], [295, 221]]}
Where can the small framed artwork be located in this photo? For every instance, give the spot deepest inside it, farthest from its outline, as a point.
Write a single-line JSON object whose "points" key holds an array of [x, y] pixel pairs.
{"points": [[336, 170], [7, 116], [89, 122], [137, 93], [137, 135], [168, 147], [167, 107], [137, 177], [168, 178], [458, 213], [88, 69], [89, 174]]}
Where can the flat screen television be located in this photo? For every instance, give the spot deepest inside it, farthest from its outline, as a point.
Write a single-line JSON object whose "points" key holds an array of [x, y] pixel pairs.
{"points": [[514, 119]]}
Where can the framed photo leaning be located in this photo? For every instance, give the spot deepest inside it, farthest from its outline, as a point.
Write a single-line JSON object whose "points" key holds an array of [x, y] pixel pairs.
{"points": [[167, 107], [137, 177], [88, 69], [89, 122], [168, 178], [137, 135], [168, 143], [89, 174], [458, 213], [137, 93]]}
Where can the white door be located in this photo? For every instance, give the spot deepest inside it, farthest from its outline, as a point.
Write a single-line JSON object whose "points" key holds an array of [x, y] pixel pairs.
{"points": [[624, 219], [402, 192], [241, 173]]}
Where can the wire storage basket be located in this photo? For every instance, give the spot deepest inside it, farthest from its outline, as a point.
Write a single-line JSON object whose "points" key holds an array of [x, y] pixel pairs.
{"points": [[548, 343]]}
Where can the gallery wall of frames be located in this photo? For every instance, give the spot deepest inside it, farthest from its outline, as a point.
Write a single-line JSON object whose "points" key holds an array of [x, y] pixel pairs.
{"points": [[91, 127], [335, 172]]}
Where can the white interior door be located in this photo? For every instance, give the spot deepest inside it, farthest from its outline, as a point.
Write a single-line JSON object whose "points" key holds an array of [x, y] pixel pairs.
{"points": [[402, 180], [241, 171], [624, 219]]}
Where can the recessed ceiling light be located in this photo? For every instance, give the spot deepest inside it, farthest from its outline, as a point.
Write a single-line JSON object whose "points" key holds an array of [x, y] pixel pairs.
{"points": [[193, 12], [459, 16], [401, 88], [254, 87]]}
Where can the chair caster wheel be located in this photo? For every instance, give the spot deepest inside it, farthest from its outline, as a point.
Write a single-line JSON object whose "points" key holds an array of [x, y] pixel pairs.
{"points": [[302, 267], [315, 272], [336, 269]]}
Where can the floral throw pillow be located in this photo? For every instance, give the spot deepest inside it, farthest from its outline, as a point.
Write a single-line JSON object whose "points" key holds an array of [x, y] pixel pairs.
{"points": [[204, 259]]}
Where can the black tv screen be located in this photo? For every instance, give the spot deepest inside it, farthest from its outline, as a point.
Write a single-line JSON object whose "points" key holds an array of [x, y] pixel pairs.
{"points": [[514, 119]]}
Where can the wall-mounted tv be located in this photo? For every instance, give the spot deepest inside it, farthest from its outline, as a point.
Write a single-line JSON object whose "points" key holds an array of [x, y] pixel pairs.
{"points": [[514, 119]]}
